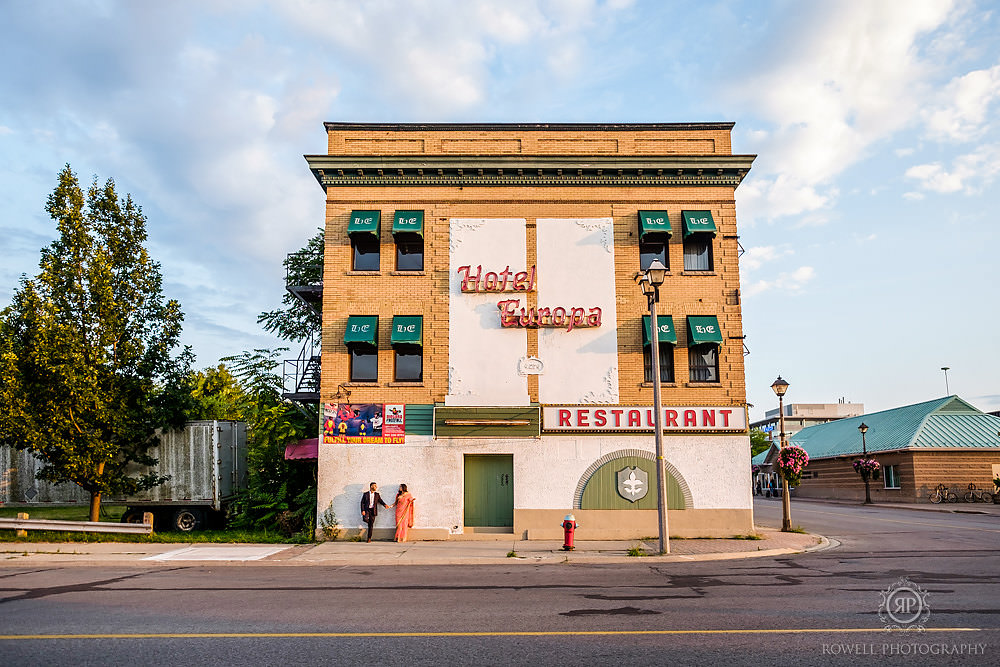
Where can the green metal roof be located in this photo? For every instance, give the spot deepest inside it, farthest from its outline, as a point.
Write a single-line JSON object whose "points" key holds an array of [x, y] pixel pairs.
{"points": [[944, 423]]}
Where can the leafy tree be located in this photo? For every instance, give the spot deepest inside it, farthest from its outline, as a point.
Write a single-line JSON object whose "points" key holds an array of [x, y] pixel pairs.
{"points": [[277, 490], [88, 361], [758, 442], [217, 394], [295, 321]]}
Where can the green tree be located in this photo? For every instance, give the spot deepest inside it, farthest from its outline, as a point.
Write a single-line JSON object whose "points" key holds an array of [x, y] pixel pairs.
{"points": [[758, 442], [277, 490], [217, 394], [89, 366], [295, 321]]}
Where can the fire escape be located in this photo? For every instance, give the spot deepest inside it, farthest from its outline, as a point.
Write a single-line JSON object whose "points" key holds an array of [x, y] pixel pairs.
{"points": [[301, 376]]}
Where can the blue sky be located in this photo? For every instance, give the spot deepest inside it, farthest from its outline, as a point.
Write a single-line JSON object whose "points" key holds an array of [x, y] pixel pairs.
{"points": [[869, 219]]}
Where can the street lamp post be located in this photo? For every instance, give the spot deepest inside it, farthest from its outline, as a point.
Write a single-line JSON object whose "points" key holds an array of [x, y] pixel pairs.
{"points": [[650, 281], [864, 454], [780, 387]]}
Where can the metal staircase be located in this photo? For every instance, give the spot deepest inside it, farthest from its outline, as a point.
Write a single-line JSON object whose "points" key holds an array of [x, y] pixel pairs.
{"points": [[301, 376]]}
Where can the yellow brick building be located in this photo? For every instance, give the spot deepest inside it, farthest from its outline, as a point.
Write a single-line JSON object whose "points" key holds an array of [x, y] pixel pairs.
{"points": [[483, 335]]}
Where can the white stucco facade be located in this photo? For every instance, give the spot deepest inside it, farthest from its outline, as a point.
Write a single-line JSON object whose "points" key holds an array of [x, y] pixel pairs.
{"points": [[547, 472]]}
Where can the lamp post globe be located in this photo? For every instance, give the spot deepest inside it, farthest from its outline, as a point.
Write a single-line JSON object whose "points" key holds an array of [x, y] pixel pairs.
{"points": [[779, 387]]}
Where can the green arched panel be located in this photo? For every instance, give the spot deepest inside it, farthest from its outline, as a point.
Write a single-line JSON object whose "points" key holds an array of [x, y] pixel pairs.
{"points": [[601, 492]]}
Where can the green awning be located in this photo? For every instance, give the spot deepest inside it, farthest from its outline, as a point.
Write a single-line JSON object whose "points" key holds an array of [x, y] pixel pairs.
{"points": [[703, 329], [408, 222], [698, 222], [364, 222], [362, 329], [407, 330], [653, 222], [665, 323]]}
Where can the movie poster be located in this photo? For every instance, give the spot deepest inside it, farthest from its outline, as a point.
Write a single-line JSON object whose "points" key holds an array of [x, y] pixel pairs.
{"points": [[364, 423]]}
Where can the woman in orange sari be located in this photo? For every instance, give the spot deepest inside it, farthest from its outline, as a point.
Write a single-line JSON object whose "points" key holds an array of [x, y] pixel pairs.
{"points": [[404, 513]]}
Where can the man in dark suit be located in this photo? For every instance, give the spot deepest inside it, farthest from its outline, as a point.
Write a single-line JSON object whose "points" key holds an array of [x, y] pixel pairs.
{"points": [[370, 500]]}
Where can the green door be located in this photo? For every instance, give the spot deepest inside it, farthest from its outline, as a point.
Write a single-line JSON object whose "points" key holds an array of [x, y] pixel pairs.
{"points": [[489, 490]]}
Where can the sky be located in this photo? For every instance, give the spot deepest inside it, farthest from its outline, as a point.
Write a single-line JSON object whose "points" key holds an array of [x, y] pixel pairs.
{"points": [[868, 220]]}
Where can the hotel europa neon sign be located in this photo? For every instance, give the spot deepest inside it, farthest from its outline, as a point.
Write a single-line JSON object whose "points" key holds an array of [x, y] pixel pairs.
{"points": [[512, 313]]}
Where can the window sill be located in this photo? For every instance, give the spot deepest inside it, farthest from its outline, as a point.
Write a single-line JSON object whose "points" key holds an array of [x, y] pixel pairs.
{"points": [[419, 383], [649, 385], [362, 273], [893, 488], [407, 273], [689, 272], [361, 384], [703, 384]]}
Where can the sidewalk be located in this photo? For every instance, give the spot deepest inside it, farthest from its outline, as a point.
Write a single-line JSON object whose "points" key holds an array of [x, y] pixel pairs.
{"points": [[988, 509], [340, 554]]}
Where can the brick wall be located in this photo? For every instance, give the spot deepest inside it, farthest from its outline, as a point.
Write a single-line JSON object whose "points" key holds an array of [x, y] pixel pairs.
{"points": [[387, 293]]}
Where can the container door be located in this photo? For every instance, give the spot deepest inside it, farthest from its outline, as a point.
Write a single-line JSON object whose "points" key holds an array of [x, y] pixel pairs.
{"points": [[226, 452], [489, 490]]}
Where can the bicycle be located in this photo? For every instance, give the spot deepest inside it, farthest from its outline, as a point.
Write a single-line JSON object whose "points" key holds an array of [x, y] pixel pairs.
{"points": [[943, 494], [978, 495]]}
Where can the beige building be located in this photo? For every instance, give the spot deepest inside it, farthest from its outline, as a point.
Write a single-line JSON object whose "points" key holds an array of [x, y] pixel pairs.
{"points": [[802, 415], [483, 335]]}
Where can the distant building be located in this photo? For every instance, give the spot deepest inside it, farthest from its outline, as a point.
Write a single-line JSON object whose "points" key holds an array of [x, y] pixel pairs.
{"points": [[944, 441], [801, 415]]}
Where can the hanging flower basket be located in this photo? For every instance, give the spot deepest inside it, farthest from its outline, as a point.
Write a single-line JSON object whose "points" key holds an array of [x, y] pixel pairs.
{"points": [[791, 461], [867, 468]]}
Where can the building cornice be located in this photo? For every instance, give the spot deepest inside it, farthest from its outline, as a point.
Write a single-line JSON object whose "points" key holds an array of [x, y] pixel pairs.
{"points": [[525, 127], [529, 170]]}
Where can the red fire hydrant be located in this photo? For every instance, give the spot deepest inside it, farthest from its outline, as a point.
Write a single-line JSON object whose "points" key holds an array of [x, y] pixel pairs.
{"points": [[569, 525]]}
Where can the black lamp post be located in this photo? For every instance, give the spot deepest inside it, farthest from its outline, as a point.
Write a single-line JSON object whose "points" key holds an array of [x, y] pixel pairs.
{"points": [[864, 455], [650, 281], [780, 387]]}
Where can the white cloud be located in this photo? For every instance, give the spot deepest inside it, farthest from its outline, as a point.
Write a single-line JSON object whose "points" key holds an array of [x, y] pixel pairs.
{"points": [[969, 173], [437, 55], [846, 76], [5, 130], [914, 196], [965, 106], [903, 152], [758, 256], [793, 281]]}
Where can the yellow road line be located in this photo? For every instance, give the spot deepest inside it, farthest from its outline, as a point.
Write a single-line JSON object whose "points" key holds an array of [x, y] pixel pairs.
{"points": [[799, 508], [555, 633]]}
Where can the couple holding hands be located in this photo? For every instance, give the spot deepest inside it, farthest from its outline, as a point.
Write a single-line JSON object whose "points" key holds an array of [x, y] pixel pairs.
{"points": [[371, 499]]}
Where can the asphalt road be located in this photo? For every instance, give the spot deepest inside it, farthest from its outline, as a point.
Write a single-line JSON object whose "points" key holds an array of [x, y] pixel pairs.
{"points": [[817, 608]]}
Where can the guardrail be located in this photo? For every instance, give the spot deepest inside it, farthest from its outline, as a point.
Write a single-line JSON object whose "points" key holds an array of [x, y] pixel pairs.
{"points": [[22, 524]]}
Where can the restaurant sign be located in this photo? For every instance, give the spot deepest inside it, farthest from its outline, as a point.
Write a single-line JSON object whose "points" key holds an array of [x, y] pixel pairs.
{"points": [[639, 418]]}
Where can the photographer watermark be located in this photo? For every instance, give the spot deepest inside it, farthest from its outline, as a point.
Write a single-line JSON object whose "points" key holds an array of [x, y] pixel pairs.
{"points": [[905, 648], [904, 606]]}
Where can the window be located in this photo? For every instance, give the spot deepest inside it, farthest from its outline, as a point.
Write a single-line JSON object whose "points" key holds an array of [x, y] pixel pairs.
{"points": [[364, 363], [407, 344], [666, 362], [409, 363], [698, 253], [361, 339], [366, 252], [704, 363], [652, 248], [409, 252], [891, 475]]}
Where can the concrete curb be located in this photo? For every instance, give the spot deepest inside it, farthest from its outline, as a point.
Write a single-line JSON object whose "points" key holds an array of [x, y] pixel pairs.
{"points": [[106, 555]]}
